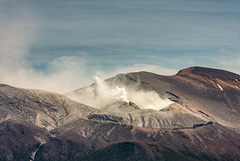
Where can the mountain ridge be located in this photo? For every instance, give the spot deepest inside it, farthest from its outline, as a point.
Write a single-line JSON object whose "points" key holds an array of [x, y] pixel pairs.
{"points": [[201, 123], [209, 72]]}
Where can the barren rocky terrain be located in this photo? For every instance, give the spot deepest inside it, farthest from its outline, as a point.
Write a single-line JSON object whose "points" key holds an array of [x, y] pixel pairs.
{"points": [[201, 122]]}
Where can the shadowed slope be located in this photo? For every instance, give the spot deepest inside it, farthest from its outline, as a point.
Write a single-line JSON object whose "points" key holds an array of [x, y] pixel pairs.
{"points": [[132, 150]]}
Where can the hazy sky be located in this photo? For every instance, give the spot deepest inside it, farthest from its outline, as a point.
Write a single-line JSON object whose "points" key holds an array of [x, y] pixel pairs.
{"points": [[48, 43]]}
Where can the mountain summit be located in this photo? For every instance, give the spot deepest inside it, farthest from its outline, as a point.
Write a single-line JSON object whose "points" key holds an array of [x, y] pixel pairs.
{"points": [[193, 115]]}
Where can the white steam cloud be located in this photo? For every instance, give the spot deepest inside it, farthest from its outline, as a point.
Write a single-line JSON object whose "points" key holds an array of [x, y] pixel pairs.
{"points": [[101, 95], [104, 95], [148, 100]]}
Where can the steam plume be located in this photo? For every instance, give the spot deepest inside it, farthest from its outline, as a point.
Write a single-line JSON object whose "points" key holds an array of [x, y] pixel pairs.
{"points": [[102, 95]]}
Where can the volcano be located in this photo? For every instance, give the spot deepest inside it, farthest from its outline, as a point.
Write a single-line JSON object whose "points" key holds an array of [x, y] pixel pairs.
{"points": [[193, 115]]}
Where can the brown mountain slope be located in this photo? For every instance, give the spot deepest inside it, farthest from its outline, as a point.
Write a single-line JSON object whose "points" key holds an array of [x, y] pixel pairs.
{"points": [[134, 150], [208, 93], [199, 125]]}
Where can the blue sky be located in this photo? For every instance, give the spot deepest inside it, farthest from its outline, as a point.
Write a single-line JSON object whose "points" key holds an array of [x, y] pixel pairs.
{"points": [[41, 39]]}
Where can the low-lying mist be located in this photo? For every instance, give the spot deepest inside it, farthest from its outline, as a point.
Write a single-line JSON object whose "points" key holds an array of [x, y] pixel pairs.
{"points": [[100, 95]]}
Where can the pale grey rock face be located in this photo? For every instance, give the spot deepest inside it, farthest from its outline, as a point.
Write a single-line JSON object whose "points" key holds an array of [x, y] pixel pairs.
{"points": [[200, 122]]}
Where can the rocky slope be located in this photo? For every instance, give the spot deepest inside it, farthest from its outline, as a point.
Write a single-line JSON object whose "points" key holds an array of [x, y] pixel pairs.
{"points": [[201, 123], [210, 93]]}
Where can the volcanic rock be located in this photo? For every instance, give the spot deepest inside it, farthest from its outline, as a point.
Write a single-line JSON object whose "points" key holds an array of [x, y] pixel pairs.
{"points": [[202, 123]]}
